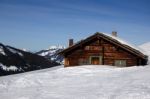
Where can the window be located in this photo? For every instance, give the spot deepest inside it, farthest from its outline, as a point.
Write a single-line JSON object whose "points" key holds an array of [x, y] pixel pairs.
{"points": [[110, 48], [93, 48], [83, 61], [87, 48], [120, 63]]}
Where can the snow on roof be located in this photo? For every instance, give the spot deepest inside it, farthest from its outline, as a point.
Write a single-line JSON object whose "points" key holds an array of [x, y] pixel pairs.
{"points": [[125, 42], [119, 40]]}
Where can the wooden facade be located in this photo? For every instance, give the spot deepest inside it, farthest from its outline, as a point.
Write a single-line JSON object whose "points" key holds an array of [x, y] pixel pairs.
{"points": [[100, 49]]}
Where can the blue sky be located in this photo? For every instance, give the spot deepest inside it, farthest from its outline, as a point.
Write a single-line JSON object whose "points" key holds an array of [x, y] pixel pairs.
{"points": [[38, 24]]}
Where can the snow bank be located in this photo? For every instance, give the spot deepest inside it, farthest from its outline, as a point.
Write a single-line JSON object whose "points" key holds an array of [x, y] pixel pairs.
{"points": [[82, 82]]}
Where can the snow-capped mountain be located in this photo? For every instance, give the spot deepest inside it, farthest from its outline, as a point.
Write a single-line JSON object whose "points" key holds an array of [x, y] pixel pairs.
{"points": [[13, 60], [52, 53], [2, 50]]}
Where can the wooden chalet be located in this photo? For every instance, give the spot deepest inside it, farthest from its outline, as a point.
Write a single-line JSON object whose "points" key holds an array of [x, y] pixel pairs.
{"points": [[102, 49]]}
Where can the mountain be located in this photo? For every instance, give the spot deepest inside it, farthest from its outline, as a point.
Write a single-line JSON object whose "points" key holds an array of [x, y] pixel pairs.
{"points": [[52, 53], [13, 60], [79, 82]]}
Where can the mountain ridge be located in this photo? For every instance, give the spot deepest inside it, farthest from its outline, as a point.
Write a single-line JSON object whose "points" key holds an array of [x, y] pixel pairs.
{"points": [[13, 60], [52, 53]]}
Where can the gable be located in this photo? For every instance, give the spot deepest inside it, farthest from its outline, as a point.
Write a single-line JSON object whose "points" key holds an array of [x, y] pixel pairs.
{"points": [[98, 39]]}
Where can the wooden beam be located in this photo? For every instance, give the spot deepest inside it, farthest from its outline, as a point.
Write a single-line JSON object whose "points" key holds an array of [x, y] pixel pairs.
{"points": [[103, 55]]}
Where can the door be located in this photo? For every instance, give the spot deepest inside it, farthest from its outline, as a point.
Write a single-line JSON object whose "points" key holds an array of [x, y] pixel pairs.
{"points": [[95, 60]]}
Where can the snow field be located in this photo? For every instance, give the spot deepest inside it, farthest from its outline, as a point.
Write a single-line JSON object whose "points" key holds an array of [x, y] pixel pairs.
{"points": [[83, 82]]}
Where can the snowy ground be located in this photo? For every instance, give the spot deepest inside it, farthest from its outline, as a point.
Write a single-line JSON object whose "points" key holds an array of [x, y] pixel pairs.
{"points": [[84, 82]]}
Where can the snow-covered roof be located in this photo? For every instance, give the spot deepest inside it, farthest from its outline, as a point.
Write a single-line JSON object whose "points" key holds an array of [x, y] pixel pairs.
{"points": [[116, 40], [125, 42]]}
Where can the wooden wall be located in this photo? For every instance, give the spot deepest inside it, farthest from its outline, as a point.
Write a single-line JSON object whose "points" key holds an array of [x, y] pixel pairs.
{"points": [[100, 47]]}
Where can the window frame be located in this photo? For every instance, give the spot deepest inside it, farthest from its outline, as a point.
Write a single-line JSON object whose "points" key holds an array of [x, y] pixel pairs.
{"points": [[100, 59], [83, 61], [121, 63]]}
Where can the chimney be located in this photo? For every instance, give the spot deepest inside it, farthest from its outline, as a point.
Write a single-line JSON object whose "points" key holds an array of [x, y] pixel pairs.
{"points": [[114, 33], [70, 42]]}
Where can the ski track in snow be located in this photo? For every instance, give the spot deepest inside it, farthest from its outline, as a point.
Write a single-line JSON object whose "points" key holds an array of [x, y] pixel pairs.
{"points": [[83, 82]]}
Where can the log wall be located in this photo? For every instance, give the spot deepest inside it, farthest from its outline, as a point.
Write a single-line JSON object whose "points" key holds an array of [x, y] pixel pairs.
{"points": [[99, 47]]}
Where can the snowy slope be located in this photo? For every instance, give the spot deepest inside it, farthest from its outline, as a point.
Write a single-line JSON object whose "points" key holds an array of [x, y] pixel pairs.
{"points": [[82, 82], [51, 53], [2, 50], [146, 47]]}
